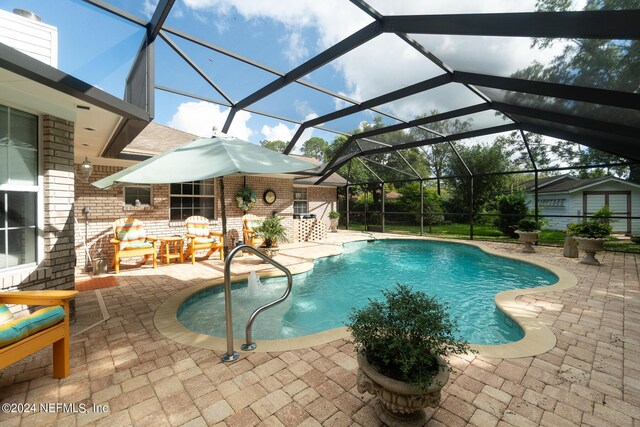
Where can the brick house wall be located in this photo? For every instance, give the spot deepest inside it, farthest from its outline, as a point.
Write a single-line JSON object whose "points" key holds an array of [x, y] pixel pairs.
{"points": [[105, 206], [56, 269]]}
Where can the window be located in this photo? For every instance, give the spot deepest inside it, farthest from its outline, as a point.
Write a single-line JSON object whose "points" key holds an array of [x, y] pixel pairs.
{"points": [[300, 203], [141, 193], [192, 198], [18, 188], [551, 203]]}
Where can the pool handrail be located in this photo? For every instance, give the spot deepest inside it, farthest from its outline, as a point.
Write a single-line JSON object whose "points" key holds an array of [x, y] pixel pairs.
{"points": [[249, 345]]}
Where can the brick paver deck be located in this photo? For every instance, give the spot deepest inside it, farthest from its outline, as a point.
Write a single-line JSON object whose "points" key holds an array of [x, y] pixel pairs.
{"points": [[591, 377]]}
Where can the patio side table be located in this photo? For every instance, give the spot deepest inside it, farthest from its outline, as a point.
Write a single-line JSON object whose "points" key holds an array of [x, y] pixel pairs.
{"points": [[171, 248]]}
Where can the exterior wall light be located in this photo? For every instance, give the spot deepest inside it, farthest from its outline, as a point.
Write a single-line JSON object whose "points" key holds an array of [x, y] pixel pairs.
{"points": [[86, 168]]}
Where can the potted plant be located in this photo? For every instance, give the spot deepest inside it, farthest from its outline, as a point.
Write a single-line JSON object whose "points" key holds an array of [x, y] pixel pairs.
{"points": [[528, 230], [590, 236], [272, 231], [401, 343], [334, 216]]}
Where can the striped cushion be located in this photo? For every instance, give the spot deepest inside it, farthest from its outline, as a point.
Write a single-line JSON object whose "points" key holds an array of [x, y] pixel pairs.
{"points": [[5, 314], [205, 240], [198, 226], [23, 327], [252, 225], [131, 233]]}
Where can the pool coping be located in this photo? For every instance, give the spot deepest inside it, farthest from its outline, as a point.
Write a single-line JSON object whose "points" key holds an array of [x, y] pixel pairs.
{"points": [[538, 338]]}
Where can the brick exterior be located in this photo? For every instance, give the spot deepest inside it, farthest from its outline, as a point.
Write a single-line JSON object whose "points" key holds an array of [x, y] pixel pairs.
{"points": [[56, 269], [107, 205]]}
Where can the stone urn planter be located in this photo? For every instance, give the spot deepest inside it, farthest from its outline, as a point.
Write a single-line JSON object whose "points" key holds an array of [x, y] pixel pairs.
{"points": [[528, 238], [400, 403], [590, 246], [333, 225]]}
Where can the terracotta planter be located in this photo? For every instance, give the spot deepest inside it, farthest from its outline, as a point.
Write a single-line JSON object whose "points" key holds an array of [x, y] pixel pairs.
{"points": [[399, 403], [590, 247], [333, 225], [528, 238]]}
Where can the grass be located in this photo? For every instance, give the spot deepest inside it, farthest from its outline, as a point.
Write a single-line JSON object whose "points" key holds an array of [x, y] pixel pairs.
{"points": [[488, 232]]}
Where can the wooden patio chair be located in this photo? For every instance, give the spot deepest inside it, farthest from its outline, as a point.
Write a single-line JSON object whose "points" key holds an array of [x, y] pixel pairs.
{"points": [[200, 236], [249, 223], [24, 336], [130, 240]]}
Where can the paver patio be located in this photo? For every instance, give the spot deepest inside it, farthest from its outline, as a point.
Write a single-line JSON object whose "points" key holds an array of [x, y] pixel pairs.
{"points": [[591, 377]]}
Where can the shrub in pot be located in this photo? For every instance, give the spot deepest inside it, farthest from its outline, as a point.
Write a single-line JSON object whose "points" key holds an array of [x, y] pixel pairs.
{"points": [[528, 230], [590, 236], [401, 343], [334, 216], [272, 231]]}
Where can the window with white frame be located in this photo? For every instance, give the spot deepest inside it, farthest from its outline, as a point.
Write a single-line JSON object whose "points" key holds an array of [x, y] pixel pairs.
{"points": [[300, 201], [18, 188], [136, 195], [192, 198]]}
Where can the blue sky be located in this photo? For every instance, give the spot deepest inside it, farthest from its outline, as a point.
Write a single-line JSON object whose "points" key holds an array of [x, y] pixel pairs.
{"points": [[98, 47]]}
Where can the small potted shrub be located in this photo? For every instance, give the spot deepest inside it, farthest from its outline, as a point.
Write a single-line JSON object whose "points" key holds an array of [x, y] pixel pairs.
{"points": [[272, 231], [401, 343], [528, 230], [590, 236], [334, 216]]}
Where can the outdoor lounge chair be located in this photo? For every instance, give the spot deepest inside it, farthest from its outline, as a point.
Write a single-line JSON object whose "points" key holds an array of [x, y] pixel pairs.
{"points": [[249, 223], [130, 240], [200, 236], [24, 336]]}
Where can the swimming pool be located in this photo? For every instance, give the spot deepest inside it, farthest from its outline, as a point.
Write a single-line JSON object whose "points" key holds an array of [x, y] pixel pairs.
{"points": [[463, 276]]}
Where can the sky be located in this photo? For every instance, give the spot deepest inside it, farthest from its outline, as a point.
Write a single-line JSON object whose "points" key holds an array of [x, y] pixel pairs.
{"points": [[99, 48]]}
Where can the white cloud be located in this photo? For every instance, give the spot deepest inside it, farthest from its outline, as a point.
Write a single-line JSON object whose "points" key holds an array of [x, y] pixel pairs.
{"points": [[295, 50], [201, 117], [148, 7], [279, 132]]}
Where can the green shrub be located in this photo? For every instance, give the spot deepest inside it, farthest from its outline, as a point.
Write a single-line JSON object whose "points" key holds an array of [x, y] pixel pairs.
{"points": [[402, 335], [602, 215], [529, 224], [334, 215], [511, 209], [592, 229], [272, 231]]}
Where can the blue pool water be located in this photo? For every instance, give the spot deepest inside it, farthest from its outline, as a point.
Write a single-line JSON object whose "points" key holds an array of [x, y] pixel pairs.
{"points": [[463, 276]]}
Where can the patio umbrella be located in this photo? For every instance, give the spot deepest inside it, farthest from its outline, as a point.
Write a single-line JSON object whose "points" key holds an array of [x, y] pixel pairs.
{"points": [[204, 159]]}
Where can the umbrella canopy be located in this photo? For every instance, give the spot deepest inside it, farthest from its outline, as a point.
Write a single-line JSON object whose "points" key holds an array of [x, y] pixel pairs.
{"points": [[204, 159]]}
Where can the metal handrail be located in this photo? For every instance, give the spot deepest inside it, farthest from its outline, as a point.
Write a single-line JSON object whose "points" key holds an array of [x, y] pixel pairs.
{"points": [[232, 355]]}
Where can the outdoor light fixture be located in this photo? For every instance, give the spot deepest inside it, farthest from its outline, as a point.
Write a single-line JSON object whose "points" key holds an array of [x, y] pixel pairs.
{"points": [[86, 168]]}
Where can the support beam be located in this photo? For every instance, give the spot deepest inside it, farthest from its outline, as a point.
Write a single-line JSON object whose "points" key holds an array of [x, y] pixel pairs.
{"points": [[624, 148], [602, 24], [159, 17], [576, 93], [356, 39], [193, 65], [379, 100], [568, 119]]}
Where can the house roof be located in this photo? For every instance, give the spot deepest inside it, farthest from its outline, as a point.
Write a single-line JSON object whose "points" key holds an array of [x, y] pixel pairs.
{"points": [[570, 186], [545, 181]]}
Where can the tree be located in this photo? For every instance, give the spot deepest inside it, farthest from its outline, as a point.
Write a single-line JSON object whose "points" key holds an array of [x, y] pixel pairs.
{"points": [[316, 147], [601, 63], [439, 155], [481, 159], [432, 202], [275, 145]]}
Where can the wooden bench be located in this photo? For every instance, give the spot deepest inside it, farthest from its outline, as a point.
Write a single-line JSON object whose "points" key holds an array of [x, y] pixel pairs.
{"points": [[58, 334]]}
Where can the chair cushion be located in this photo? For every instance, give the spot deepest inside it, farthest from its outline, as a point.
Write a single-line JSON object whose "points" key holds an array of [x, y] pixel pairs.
{"points": [[201, 240], [198, 226], [25, 326], [252, 225], [138, 245], [131, 233], [5, 314]]}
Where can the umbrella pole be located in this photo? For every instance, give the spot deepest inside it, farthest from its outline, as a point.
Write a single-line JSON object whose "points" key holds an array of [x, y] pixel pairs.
{"points": [[223, 214]]}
